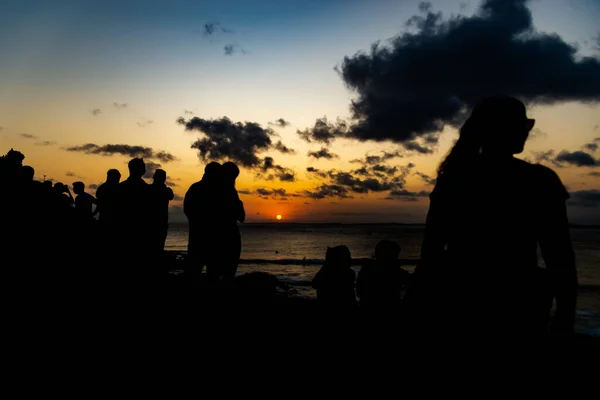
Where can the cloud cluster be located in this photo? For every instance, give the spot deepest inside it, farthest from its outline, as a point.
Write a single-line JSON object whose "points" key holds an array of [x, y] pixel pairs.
{"points": [[376, 178], [120, 106], [323, 153], [124, 149], [269, 170], [593, 145], [323, 131], [429, 76], [240, 142], [282, 123]]}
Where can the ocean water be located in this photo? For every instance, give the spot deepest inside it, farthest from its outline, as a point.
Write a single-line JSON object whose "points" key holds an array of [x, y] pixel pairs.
{"points": [[294, 253]]}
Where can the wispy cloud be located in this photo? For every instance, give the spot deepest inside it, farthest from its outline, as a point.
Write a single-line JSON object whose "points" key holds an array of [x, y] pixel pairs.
{"points": [[144, 123], [231, 49], [282, 123], [96, 112], [28, 136], [120, 106], [124, 149]]}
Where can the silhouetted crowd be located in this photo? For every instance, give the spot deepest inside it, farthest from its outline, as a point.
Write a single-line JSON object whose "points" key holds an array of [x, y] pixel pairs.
{"points": [[44, 224], [478, 271]]}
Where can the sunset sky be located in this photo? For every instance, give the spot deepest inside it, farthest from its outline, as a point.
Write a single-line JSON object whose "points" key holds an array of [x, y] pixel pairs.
{"points": [[85, 85]]}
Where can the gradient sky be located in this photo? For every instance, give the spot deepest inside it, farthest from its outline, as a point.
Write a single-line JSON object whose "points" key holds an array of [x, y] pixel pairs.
{"points": [[122, 72]]}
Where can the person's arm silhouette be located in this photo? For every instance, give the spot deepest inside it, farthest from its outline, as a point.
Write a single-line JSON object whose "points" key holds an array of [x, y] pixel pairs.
{"points": [[557, 250]]}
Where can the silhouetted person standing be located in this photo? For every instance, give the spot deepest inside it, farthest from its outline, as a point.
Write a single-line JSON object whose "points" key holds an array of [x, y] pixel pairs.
{"points": [[84, 202], [489, 211], [160, 196], [232, 213], [202, 205], [107, 197], [134, 224]]}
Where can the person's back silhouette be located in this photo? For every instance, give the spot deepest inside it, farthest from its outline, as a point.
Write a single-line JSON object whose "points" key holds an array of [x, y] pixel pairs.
{"points": [[335, 280], [488, 213], [107, 197], [232, 213], [133, 209], [380, 282], [84, 202], [201, 206], [160, 196]]}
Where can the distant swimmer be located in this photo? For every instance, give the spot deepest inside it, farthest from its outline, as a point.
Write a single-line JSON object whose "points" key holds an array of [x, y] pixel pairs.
{"points": [[276, 252]]}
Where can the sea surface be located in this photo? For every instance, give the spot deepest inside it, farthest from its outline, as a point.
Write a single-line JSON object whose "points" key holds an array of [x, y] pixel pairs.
{"points": [[294, 253]]}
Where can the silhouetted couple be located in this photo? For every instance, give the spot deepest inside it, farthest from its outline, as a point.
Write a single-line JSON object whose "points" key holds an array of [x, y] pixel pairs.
{"points": [[489, 212], [214, 209]]}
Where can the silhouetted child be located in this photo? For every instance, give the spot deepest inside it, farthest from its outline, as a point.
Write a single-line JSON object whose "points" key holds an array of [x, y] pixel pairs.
{"points": [[335, 280], [381, 281]]}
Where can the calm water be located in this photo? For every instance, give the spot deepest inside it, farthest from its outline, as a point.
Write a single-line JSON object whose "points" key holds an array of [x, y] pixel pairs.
{"points": [[292, 252]]}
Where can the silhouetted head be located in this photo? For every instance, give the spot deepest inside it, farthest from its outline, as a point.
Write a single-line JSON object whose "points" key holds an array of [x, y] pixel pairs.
{"points": [[137, 168], [48, 184], [230, 172], [78, 187], [338, 257], [113, 176], [212, 171], [27, 173], [498, 126], [386, 250], [59, 187], [14, 157], [160, 176]]}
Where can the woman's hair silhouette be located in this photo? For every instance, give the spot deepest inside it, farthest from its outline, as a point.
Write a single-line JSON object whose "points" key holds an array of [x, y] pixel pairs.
{"points": [[497, 125]]}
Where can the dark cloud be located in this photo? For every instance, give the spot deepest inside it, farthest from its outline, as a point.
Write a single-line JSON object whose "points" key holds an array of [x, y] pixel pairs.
{"points": [[269, 171], [96, 112], [429, 76], [406, 195], [120, 106], [324, 131], [594, 173], [145, 123], [28, 136], [94, 186], [177, 197], [283, 148], [170, 182], [124, 149], [231, 49], [276, 194], [372, 159], [187, 112], [591, 146], [282, 123], [240, 142], [545, 157], [323, 153], [385, 169], [577, 158], [70, 173], [316, 172], [308, 204], [596, 127], [244, 191], [426, 178], [211, 28], [585, 198], [325, 191]]}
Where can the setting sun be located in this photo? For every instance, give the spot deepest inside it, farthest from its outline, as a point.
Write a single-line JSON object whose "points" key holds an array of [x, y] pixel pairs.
{"points": [[278, 217]]}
